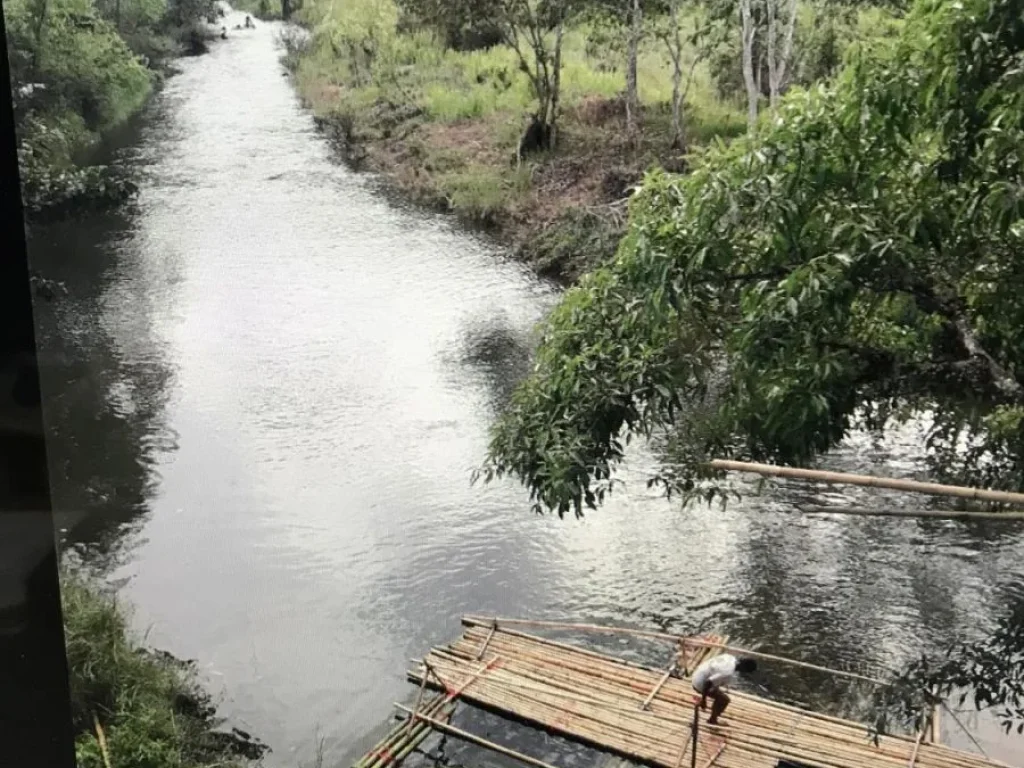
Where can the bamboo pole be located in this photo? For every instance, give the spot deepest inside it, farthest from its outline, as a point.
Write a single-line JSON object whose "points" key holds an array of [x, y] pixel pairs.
{"points": [[818, 509], [917, 746], [696, 729], [714, 757], [416, 706], [963, 727], [565, 625], [384, 751], [483, 648], [661, 682], [688, 742], [936, 727], [101, 738], [465, 735], [914, 486]]}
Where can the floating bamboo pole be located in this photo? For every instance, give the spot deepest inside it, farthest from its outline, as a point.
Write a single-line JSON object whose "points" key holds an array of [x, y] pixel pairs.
{"points": [[416, 706], [963, 727], [571, 626], [818, 509], [593, 698], [465, 735], [401, 740], [894, 484]]}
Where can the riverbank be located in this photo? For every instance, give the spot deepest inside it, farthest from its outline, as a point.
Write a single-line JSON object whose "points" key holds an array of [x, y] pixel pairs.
{"points": [[80, 70], [133, 705], [443, 126]]}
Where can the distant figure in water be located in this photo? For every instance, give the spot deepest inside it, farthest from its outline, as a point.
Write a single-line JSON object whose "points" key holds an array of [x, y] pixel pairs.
{"points": [[715, 674], [249, 23], [223, 33]]}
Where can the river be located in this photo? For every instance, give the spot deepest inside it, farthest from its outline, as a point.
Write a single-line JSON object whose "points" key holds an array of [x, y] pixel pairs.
{"points": [[266, 392]]}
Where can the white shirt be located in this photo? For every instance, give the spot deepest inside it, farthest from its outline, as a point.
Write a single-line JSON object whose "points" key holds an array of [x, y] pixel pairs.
{"points": [[718, 671]]}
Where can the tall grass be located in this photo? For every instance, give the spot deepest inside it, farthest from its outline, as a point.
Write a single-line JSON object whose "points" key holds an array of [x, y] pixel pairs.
{"points": [[150, 707], [452, 85]]}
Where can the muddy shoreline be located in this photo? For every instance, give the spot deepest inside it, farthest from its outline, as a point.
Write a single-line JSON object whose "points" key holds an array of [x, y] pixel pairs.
{"points": [[558, 240]]}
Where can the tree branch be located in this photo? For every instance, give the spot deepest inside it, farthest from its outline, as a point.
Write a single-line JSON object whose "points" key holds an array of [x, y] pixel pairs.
{"points": [[958, 321]]}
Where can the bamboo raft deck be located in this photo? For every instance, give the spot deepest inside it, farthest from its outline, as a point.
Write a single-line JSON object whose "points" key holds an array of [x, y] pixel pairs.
{"points": [[647, 715]]}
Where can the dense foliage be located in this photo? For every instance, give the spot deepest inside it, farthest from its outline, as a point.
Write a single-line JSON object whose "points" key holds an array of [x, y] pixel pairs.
{"points": [[79, 67], [150, 710], [854, 260]]}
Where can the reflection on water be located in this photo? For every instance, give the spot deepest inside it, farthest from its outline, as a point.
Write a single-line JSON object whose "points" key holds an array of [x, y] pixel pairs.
{"points": [[266, 395]]}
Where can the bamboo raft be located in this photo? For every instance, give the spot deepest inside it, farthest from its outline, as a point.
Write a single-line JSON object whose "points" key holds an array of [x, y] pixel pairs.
{"points": [[642, 714]]}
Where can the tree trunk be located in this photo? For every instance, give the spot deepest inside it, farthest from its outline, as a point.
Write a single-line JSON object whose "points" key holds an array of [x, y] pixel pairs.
{"points": [[39, 32], [747, 30], [676, 51], [779, 59], [773, 62], [286, 9], [787, 44], [632, 94], [556, 82]]}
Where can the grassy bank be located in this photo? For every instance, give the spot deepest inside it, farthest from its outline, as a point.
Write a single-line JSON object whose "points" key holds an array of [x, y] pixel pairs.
{"points": [[443, 124], [144, 708], [79, 68]]}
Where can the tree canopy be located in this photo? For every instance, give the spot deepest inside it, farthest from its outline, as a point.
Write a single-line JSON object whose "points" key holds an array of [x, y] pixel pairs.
{"points": [[853, 261]]}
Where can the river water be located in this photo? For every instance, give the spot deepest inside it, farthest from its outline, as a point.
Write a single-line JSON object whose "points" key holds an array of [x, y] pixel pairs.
{"points": [[267, 389]]}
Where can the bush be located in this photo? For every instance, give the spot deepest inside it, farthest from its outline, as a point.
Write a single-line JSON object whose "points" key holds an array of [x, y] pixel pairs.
{"points": [[79, 68]]}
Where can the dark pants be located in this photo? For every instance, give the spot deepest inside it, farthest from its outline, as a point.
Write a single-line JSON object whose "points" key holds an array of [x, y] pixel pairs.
{"points": [[719, 701]]}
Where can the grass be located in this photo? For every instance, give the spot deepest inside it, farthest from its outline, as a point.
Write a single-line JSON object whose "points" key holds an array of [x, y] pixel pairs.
{"points": [[150, 707]]}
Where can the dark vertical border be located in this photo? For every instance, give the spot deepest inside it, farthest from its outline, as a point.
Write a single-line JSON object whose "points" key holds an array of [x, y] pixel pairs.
{"points": [[35, 712]]}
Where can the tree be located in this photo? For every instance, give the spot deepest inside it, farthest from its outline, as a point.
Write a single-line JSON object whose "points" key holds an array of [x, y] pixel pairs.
{"points": [[626, 17], [767, 28], [747, 40], [702, 42], [540, 25], [636, 27], [464, 24], [852, 263], [782, 17], [673, 39]]}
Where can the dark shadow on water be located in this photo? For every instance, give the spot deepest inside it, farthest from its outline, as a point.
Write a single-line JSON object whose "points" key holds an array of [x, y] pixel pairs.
{"points": [[494, 352], [104, 408]]}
